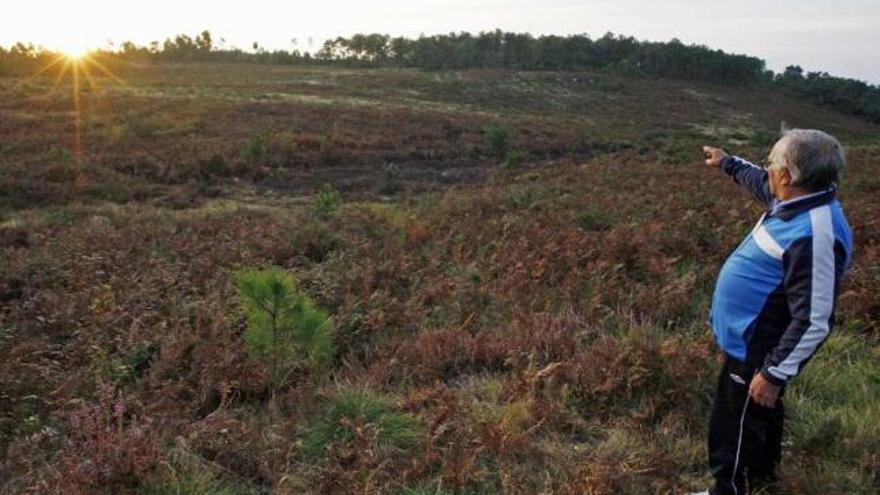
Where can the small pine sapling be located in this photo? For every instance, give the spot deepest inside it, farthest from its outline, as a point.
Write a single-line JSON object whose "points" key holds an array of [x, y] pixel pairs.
{"points": [[285, 329]]}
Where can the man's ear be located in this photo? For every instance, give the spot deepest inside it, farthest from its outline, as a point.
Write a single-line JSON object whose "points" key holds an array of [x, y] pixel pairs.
{"points": [[785, 178]]}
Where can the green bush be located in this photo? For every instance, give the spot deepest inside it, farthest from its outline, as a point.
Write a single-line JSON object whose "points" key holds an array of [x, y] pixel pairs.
{"points": [[326, 201], [285, 329], [512, 159], [497, 139], [255, 150], [359, 408]]}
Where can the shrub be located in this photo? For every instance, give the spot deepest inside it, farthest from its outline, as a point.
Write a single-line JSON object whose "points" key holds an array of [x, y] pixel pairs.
{"points": [[512, 159], [108, 450], [214, 166], [123, 370], [594, 220], [452, 133], [255, 150], [357, 414], [620, 374], [326, 201], [329, 154], [387, 183], [62, 166], [62, 155], [285, 146], [285, 329], [497, 138], [314, 240]]}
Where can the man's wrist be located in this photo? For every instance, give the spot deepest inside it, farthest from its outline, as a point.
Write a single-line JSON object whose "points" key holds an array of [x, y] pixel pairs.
{"points": [[770, 378]]}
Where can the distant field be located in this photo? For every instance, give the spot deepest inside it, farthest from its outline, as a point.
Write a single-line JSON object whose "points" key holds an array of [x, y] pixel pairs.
{"points": [[159, 131], [517, 265]]}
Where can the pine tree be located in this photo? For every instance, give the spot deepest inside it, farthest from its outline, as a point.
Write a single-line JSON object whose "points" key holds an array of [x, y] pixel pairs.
{"points": [[285, 329]]}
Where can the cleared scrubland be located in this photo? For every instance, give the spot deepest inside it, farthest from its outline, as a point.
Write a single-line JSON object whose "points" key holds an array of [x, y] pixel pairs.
{"points": [[516, 265]]}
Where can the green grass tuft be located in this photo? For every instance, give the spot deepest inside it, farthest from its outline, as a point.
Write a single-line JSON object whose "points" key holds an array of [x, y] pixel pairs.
{"points": [[355, 413]]}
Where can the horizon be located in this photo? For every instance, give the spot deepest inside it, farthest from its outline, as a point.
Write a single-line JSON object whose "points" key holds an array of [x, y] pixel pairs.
{"points": [[807, 38]]}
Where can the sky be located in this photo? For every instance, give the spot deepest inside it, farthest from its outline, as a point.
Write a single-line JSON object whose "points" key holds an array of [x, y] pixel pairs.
{"points": [[841, 37]]}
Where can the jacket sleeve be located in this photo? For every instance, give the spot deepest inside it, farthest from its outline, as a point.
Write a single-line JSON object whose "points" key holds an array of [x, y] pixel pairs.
{"points": [[750, 176], [810, 285]]}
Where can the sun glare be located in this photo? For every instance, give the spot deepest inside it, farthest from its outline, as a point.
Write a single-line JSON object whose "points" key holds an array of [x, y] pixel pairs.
{"points": [[75, 51], [76, 55]]}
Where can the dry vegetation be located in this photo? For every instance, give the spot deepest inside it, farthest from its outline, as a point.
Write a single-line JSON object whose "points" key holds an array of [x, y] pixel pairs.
{"points": [[537, 327]]}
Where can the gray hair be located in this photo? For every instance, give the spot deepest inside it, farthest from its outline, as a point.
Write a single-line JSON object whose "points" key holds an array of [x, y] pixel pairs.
{"points": [[814, 158]]}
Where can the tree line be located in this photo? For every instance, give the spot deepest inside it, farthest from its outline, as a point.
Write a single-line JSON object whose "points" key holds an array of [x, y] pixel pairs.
{"points": [[843, 94], [498, 49]]}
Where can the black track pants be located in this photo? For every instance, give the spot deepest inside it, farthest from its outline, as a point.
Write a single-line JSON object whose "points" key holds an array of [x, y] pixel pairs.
{"points": [[745, 439]]}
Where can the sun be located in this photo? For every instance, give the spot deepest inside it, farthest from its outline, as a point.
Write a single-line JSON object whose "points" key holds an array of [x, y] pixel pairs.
{"points": [[75, 51], [76, 54]]}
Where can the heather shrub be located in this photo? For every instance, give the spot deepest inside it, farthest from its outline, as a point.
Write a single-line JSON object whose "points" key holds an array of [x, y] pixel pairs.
{"points": [[285, 329], [214, 166], [232, 440], [108, 449], [388, 180], [313, 239], [284, 146], [123, 370], [620, 375], [61, 168], [357, 415], [521, 196], [452, 133], [439, 354]]}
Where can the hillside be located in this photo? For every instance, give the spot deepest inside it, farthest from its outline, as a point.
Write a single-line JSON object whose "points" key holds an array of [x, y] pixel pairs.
{"points": [[517, 265]]}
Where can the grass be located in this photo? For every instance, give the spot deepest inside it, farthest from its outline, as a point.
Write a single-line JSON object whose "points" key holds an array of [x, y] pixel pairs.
{"points": [[355, 415], [187, 474], [834, 422]]}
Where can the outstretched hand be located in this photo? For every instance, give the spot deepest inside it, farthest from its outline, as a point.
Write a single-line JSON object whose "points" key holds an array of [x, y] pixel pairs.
{"points": [[713, 155]]}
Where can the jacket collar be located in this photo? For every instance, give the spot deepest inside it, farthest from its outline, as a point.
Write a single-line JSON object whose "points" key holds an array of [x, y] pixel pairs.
{"points": [[786, 210]]}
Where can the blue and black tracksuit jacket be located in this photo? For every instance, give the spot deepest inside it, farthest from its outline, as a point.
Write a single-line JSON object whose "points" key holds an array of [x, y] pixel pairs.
{"points": [[774, 301]]}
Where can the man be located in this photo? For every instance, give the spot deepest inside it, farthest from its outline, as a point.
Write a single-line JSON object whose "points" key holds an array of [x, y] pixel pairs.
{"points": [[774, 300]]}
